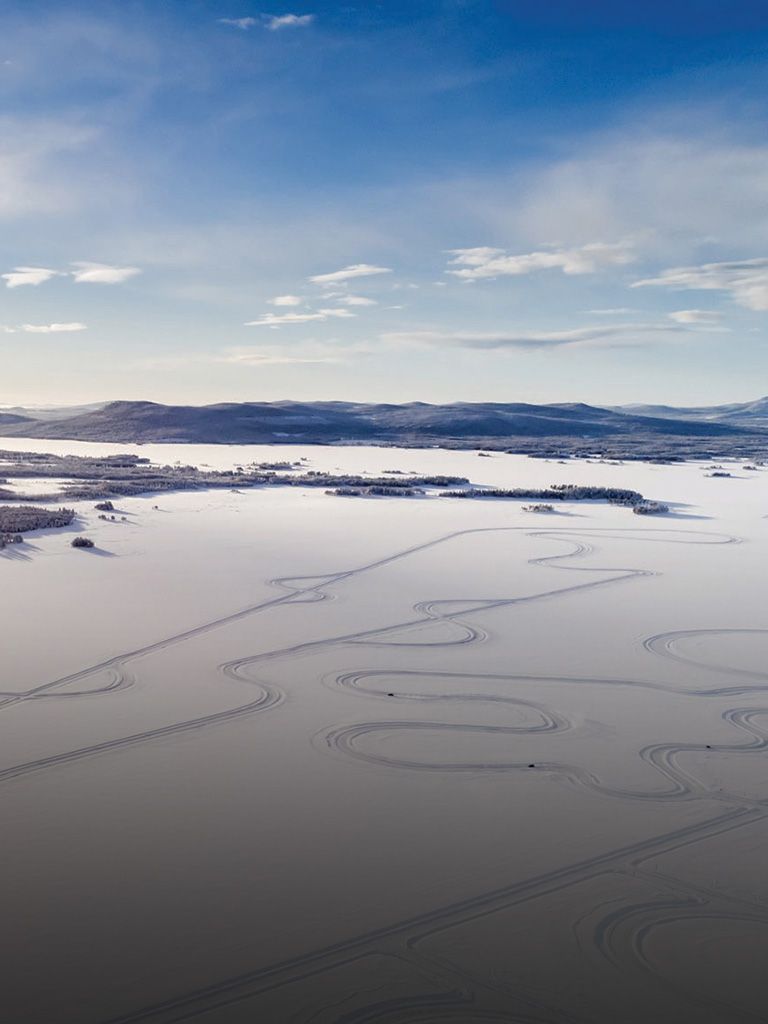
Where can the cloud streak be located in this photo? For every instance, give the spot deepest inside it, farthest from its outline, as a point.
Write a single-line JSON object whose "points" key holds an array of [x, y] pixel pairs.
{"points": [[102, 273], [357, 300], [350, 273], [276, 22], [21, 276], [290, 319], [614, 335], [271, 22], [702, 317], [255, 357], [484, 262], [746, 281], [84, 273], [263, 355], [242, 23], [53, 328]]}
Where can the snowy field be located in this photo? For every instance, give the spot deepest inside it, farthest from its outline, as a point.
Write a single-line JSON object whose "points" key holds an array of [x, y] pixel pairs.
{"points": [[280, 756]]}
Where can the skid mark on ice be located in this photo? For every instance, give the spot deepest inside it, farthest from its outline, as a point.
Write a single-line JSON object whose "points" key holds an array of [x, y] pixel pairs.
{"points": [[406, 938], [268, 698], [432, 610], [300, 589], [663, 758], [623, 936], [665, 645], [311, 588]]}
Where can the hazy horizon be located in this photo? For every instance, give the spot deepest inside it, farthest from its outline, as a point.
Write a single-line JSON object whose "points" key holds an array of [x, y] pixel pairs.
{"points": [[86, 403]]}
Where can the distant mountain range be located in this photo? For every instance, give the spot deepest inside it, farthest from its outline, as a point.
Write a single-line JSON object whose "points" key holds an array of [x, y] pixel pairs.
{"points": [[323, 422], [752, 415], [45, 412], [10, 418]]}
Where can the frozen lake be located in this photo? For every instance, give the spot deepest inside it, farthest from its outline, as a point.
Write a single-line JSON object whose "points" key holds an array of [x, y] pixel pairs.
{"points": [[279, 756]]}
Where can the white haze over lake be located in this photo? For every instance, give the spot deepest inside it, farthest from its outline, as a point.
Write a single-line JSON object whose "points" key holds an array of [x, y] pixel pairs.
{"points": [[279, 756]]}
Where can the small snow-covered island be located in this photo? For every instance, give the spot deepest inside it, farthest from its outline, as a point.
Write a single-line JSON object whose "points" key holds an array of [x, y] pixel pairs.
{"points": [[79, 478]]}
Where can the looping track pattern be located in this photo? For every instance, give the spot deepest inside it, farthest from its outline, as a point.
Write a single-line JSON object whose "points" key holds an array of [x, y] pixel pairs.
{"points": [[409, 938]]}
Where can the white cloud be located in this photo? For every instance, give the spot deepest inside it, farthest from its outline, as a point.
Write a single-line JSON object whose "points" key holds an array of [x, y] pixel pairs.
{"points": [[283, 319], [289, 319], [609, 336], [357, 300], [28, 275], [274, 22], [285, 300], [52, 328], [242, 23], [255, 357], [348, 273], [312, 352], [619, 311], [703, 317], [746, 281], [485, 262], [102, 273], [341, 314], [86, 273]]}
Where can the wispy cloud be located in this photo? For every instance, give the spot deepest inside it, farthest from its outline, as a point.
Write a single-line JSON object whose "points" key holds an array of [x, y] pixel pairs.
{"points": [[702, 317], [618, 311], [357, 300], [272, 22], [262, 355], [21, 276], [241, 23], [485, 262], [285, 300], [102, 273], [53, 328], [746, 281], [349, 273], [283, 319], [85, 273], [651, 179], [258, 357], [36, 161], [275, 22], [289, 319], [608, 336]]}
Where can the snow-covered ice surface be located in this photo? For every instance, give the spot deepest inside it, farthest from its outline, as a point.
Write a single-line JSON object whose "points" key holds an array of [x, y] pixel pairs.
{"points": [[279, 756]]}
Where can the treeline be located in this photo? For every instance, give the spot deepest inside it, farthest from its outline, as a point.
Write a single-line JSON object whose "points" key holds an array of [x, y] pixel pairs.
{"points": [[377, 490], [94, 490], [22, 518], [317, 479], [650, 508], [102, 478], [557, 492], [97, 479]]}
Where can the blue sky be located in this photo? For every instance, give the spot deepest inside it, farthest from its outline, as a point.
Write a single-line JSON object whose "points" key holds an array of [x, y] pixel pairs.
{"points": [[440, 200]]}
